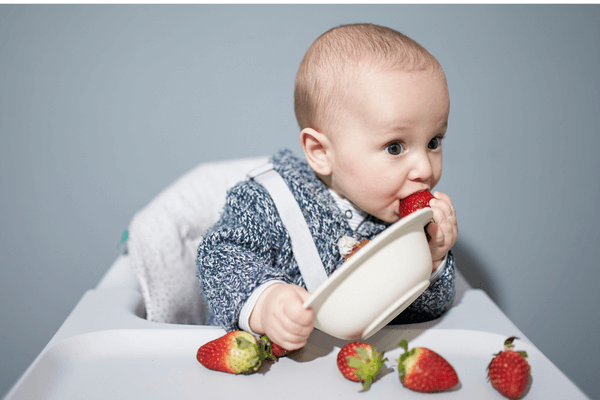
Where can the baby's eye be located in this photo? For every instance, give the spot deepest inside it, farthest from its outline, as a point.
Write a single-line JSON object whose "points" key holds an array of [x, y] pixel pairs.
{"points": [[434, 143], [395, 148]]}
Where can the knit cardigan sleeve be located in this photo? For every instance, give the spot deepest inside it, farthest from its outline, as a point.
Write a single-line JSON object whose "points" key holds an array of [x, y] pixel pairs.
{"points": [[247, 247]]}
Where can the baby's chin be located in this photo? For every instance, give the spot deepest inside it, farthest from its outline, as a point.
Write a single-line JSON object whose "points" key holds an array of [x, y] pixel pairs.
{"points": [[388, 213]]}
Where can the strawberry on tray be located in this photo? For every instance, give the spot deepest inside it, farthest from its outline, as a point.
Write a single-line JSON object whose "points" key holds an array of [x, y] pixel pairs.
{"points": [[236, 352], [273, 348], [424, 370], [360, 362], [509, 371]]}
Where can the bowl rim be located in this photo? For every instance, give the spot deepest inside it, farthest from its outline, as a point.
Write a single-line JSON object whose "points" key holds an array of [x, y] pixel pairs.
{"points": [[421, 217]]}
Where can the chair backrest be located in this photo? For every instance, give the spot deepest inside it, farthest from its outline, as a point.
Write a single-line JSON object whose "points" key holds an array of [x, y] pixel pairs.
{"points": [[164, 237]]}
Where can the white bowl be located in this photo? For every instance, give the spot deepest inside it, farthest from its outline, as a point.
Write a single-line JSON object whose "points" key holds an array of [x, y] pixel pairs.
{"points": [[377, 282]]}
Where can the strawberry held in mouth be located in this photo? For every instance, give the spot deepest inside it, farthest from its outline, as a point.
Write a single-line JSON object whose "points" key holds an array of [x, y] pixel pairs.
{"points": [[414, 202]]}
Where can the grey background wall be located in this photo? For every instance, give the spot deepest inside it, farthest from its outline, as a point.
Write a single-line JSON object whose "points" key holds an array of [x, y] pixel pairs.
{"points": [[101, 107]]}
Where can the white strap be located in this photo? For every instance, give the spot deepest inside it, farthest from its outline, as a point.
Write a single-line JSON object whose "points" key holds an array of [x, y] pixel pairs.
{"points": [[303, 245]]}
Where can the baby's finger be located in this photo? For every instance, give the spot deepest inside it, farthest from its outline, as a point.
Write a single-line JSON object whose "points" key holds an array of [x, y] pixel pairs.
{"points": [[287, 341], [443, 201], [293, 345], [301, 326], [437, 243], [297, 312], [442, 196], [437, 235], [294, 333], [303, 293], [442, 211]]}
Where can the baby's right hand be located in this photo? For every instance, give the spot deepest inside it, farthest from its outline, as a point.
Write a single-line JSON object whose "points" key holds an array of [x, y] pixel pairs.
{"points": [[279, 313]]}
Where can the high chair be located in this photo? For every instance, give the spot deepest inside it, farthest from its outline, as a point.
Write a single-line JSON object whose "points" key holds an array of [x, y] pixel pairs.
{"points": [[135, 335]]}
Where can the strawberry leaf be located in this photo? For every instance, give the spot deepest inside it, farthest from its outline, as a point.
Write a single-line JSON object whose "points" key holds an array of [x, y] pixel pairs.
{"points": [[403, 358], [243, 343], [368, 368], [508, 344], [354, 363], [367, 383], [265, 351], [404, 344], [363, 353]]}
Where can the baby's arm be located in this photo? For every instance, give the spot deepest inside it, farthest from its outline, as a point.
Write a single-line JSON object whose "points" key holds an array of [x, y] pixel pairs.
{"points": [[444, 231], [238, 254], [279, 313]]}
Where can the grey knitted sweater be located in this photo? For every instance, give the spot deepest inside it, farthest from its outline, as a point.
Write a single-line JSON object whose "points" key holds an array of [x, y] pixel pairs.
{"points": [[249, 245]]}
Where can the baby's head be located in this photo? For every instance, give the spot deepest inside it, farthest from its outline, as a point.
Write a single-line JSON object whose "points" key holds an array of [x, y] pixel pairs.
{"points": [[373, 107]]}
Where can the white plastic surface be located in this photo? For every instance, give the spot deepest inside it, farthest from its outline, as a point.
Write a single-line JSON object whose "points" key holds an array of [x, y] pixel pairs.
{"points": [[377, 282], [161, 364], [105, 350]]}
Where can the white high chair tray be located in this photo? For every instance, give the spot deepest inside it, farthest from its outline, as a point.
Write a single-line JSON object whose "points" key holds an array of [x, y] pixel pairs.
{"points": [[161, 364], [105, 352]]}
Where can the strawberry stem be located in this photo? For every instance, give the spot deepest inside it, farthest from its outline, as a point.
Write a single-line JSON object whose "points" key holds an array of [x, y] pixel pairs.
{"points": [[367, 364], [401, 366], [404, 344], [265, 350], [508, 344]]}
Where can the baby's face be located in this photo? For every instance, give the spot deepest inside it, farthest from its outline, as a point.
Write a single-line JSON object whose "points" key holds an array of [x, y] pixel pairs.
{"points": [[389, 144]]}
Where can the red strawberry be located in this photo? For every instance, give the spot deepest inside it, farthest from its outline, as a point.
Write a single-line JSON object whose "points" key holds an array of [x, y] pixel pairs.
{"points": [[360, 362], [414, 202], [424, 370], [509, 371], [278, 351], [273, 348], [236, 353]]}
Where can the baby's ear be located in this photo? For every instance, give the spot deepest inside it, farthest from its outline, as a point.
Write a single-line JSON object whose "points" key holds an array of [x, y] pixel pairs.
{"points": [[315, 146]]}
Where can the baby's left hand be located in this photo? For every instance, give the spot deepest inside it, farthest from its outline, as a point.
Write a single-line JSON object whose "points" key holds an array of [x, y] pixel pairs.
{"points": [[444, 231]]}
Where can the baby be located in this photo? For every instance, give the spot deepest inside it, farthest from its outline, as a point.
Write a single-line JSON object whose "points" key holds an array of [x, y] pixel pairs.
{"points": [[372, 106]]}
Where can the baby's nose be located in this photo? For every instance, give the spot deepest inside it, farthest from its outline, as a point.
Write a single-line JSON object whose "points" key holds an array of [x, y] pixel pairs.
{"points": [[421, 169]]}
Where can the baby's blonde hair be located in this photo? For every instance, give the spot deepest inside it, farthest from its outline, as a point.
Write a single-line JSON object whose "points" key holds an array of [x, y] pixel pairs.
{"points": [[336, 58]]}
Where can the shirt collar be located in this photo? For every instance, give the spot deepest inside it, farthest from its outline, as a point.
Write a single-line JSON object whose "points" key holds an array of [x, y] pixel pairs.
{"points": [[354, 215]]}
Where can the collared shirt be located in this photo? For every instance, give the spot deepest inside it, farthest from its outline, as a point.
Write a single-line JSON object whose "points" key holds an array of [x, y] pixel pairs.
{"points": [[354, 215]]}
